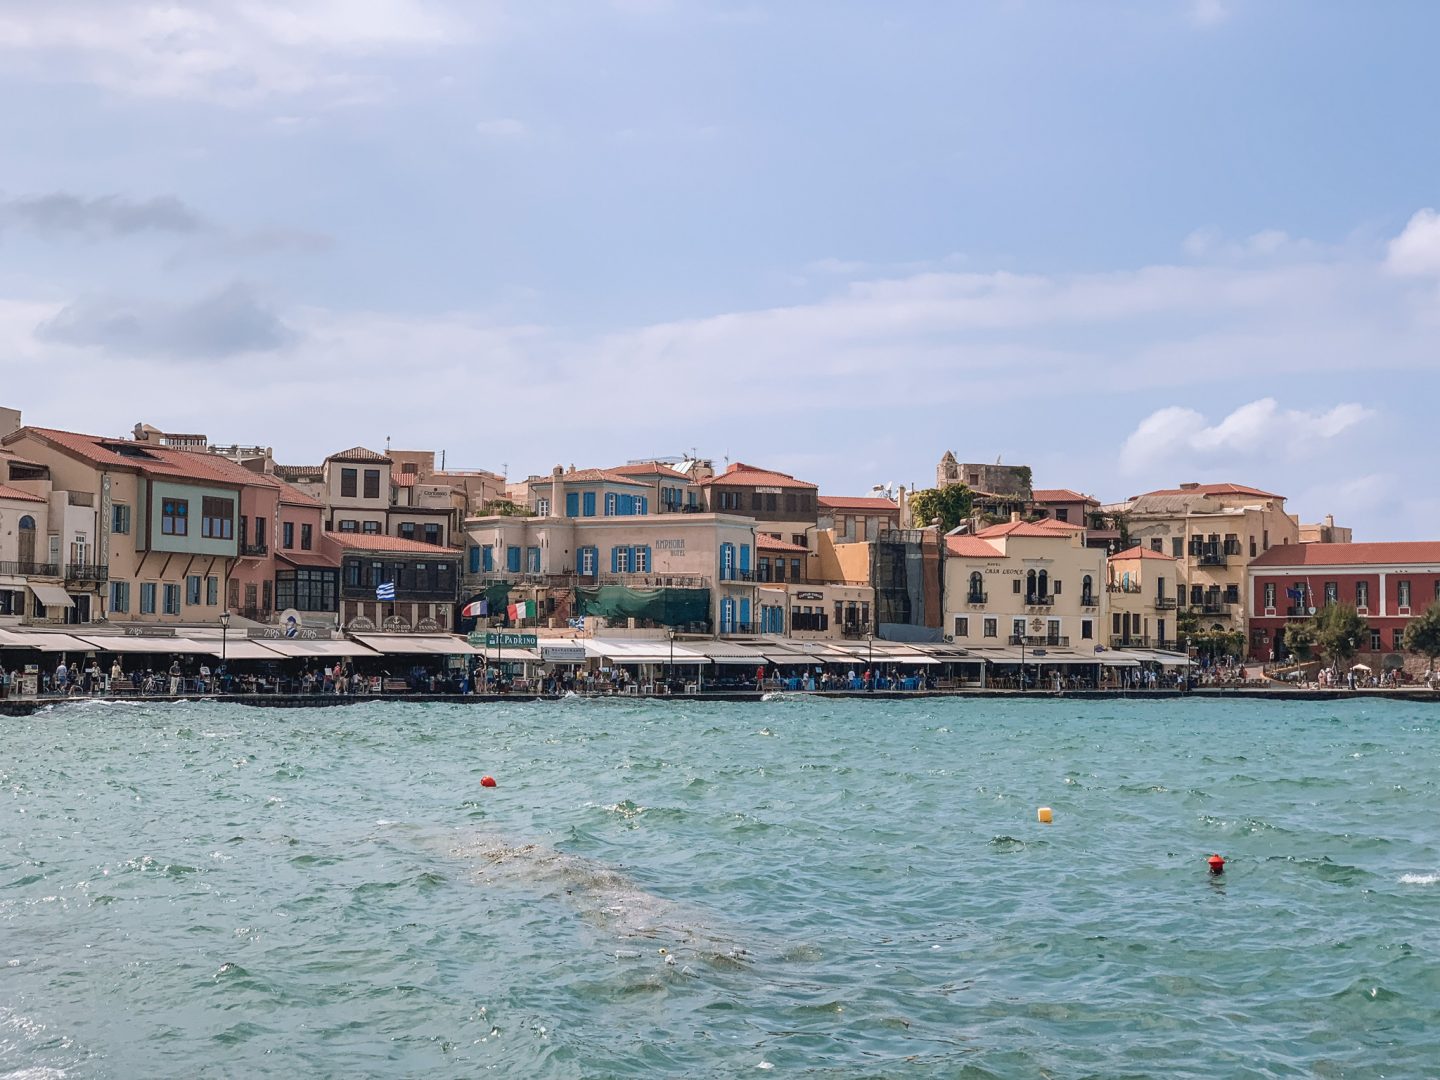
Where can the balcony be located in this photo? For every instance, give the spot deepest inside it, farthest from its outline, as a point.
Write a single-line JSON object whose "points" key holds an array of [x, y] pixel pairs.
{"points": [[1039, 601], [854, 629], [87, 572], [976, 598], [1211, 607], [1164, 603], [1040, 640], [1212, 558], [738, 628], [254, 551], [30, 569], [1138, 641], [475, 582], [1295, 611], [1089, 600]]}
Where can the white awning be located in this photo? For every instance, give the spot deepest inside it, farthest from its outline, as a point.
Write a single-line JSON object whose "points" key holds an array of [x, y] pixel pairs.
{"points": [[51, 595], [120, 643], [239, 649], [417, 644], [307, 648], [10, 639]]}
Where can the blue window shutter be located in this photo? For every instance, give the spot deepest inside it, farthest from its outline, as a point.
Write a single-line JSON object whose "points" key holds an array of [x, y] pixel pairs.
{"points": [[474, 560], [744, 611], [588, 498], [512, 558], [648, 564], [644, 505], [744, 560], [487, 557], [572, 504], [614, 560]]}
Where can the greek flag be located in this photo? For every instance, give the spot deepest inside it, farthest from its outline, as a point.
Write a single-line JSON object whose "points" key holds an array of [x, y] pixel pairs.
{"points": [[385, 590]]}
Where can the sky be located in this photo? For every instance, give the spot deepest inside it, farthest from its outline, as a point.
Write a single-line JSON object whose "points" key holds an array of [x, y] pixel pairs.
{"points": [[1130, 244]]}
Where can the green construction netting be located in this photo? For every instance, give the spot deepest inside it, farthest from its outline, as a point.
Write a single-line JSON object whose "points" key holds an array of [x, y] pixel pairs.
{"points": [[665, 606]]}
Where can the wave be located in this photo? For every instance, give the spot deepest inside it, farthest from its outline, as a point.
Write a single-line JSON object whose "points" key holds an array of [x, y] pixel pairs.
{"points": [[1420, 879]]}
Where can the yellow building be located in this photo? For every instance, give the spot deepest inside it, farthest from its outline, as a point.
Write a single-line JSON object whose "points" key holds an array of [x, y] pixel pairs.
{"points": [[1143, 590], [1024, 583], [1213, 531]]}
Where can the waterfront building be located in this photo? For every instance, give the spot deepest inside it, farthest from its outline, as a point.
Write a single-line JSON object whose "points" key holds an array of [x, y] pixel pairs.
{"points": [[1389, 584], [669, 491], [1142, 592], [1062, 504], [307, 570], [1024, 583], [794, 600], [600, 552], [999, 481], [24, 538], [426, 578], [903, 570], [856, 519], [146, 533], [1214, 531], [777, 502]]}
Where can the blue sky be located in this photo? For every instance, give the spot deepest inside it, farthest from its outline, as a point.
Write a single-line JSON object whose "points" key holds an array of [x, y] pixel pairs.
{"points": [[1130, 244]]}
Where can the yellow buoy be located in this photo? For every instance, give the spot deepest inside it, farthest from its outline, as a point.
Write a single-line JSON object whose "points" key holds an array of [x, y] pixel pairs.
{"points": [[1045, 814]]}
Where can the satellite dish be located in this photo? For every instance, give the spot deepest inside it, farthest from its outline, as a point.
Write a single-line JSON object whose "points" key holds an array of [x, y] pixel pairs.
{"points": [[1312, 611], [290, 623]]}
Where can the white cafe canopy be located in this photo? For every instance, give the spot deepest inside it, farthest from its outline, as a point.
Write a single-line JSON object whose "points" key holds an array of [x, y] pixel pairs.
{"points": [[417, 644], [156, 645], [11, 639], [51, 595], [315, 648]]}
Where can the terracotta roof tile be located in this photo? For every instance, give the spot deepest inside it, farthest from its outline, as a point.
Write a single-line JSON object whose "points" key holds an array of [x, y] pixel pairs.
{"points": [[856, 502], [970, 547], [158, 461], [1019, 528], [299, 472], [766, 542], [8, 492], [358, 453], [293, 495], [404, 479], [1140, 551], [376, 542], [1056, 525], [741, 474], [1054, 495], [1216, 489], [591, 476], [650, 468], [1402, 552]]}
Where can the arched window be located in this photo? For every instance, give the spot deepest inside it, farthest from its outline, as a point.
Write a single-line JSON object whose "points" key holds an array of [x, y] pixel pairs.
{"points": [[1029, 585], [977, 588], [1087, 589], [27, 522], [1044, 584]]}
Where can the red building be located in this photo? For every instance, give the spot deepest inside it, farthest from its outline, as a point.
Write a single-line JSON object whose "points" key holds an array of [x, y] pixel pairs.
{"points": [[1387, 583]]}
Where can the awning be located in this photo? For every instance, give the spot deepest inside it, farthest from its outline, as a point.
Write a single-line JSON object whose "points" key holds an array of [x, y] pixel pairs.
{"points": [[419, 644], [236, 648], [120, 643], [51, 595], [313, 648], [306, 558], [509, 655], [10, 639]]}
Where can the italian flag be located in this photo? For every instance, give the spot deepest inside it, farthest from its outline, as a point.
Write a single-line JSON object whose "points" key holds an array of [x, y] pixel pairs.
{"points": [[523, 609]]}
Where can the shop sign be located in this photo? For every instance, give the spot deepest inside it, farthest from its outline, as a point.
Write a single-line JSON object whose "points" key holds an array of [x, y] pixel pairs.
{"points": [[562, 652], [510, 641]]}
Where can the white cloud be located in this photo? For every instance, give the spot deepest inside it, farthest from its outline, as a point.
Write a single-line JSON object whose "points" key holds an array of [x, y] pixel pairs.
{"points": [[1183, 436], [1417, 249], [503, 128], [1208, 12], [229, 51]]}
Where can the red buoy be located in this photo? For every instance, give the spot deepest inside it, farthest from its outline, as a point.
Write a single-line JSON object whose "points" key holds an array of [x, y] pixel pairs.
{"points": [[487, 781], [1217, 864]]}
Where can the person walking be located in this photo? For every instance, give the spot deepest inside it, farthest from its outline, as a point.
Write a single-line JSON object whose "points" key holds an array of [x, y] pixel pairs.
{"points": [[174, 677]]}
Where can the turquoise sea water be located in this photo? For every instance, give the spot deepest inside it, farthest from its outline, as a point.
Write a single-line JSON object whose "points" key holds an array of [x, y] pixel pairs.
{"points": [[814, 888]]}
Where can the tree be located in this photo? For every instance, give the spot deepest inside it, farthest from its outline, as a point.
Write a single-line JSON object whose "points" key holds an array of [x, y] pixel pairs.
{"points": [[1339, 630], [947, 506], [1300, 640], [504, 508], [1423, 634]]}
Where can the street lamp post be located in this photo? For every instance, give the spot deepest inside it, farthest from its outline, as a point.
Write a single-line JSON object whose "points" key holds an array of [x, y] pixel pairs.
{"points": [[870, 657], [1187, 665], [1022, 663], [224, 645], [670, 671]]}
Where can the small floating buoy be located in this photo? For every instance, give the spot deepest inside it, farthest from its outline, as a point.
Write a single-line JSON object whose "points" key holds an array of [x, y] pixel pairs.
{"points": [[1217, 864], [487, 781], [1045, 815]]}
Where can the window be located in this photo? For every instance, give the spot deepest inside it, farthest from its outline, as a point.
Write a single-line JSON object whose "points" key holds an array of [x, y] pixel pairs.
{"points": [[512, 558], [370, 528], [1332, 592], [432, 533], [217, 521], [120, 518], [610, 501], [175, 517], [352, 573], [260, 532], [1402, 593], [790, 502], [572, 504], [306, 590], [589, 561], [1177, 546], [1362, 594], [287, 535], [1252, 547], [1087, 590], [212, 591], [1016, 584], [587, 504], [1157, 545], [307, 536], [192, 589], [991, 627], [266, 595], [642, 560], [779, 569], [795, 570], [172, 599], [762, 570], [487, 558], [1269, 594], [770, 501], [1397, 639], [1375, 641], [147, 598], [727, 562], [532, 559], [372, 483], [1017, 628], [542, 506], [1062, 514], [406, 531], [1087, 629], [962, 626], [755, 500], [1265, 539], [349, 525], [120, 596], [620, 560], [348, 487]]}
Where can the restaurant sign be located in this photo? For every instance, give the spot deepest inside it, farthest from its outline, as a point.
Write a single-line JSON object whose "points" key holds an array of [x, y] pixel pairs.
{"points": [[510, 641], [809, 596], [562, 652]]}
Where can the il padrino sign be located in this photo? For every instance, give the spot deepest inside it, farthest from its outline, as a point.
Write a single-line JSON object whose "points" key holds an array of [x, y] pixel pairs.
{"points": [[510, 641]]}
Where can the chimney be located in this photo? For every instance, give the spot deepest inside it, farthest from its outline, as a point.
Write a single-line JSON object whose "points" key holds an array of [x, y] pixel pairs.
{"points": [[1191, 486], [1329, 521], [1014, 517], [555, 493]]}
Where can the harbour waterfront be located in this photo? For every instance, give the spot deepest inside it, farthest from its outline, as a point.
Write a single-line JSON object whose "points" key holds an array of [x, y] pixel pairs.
{"points": [[840, 886]]}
